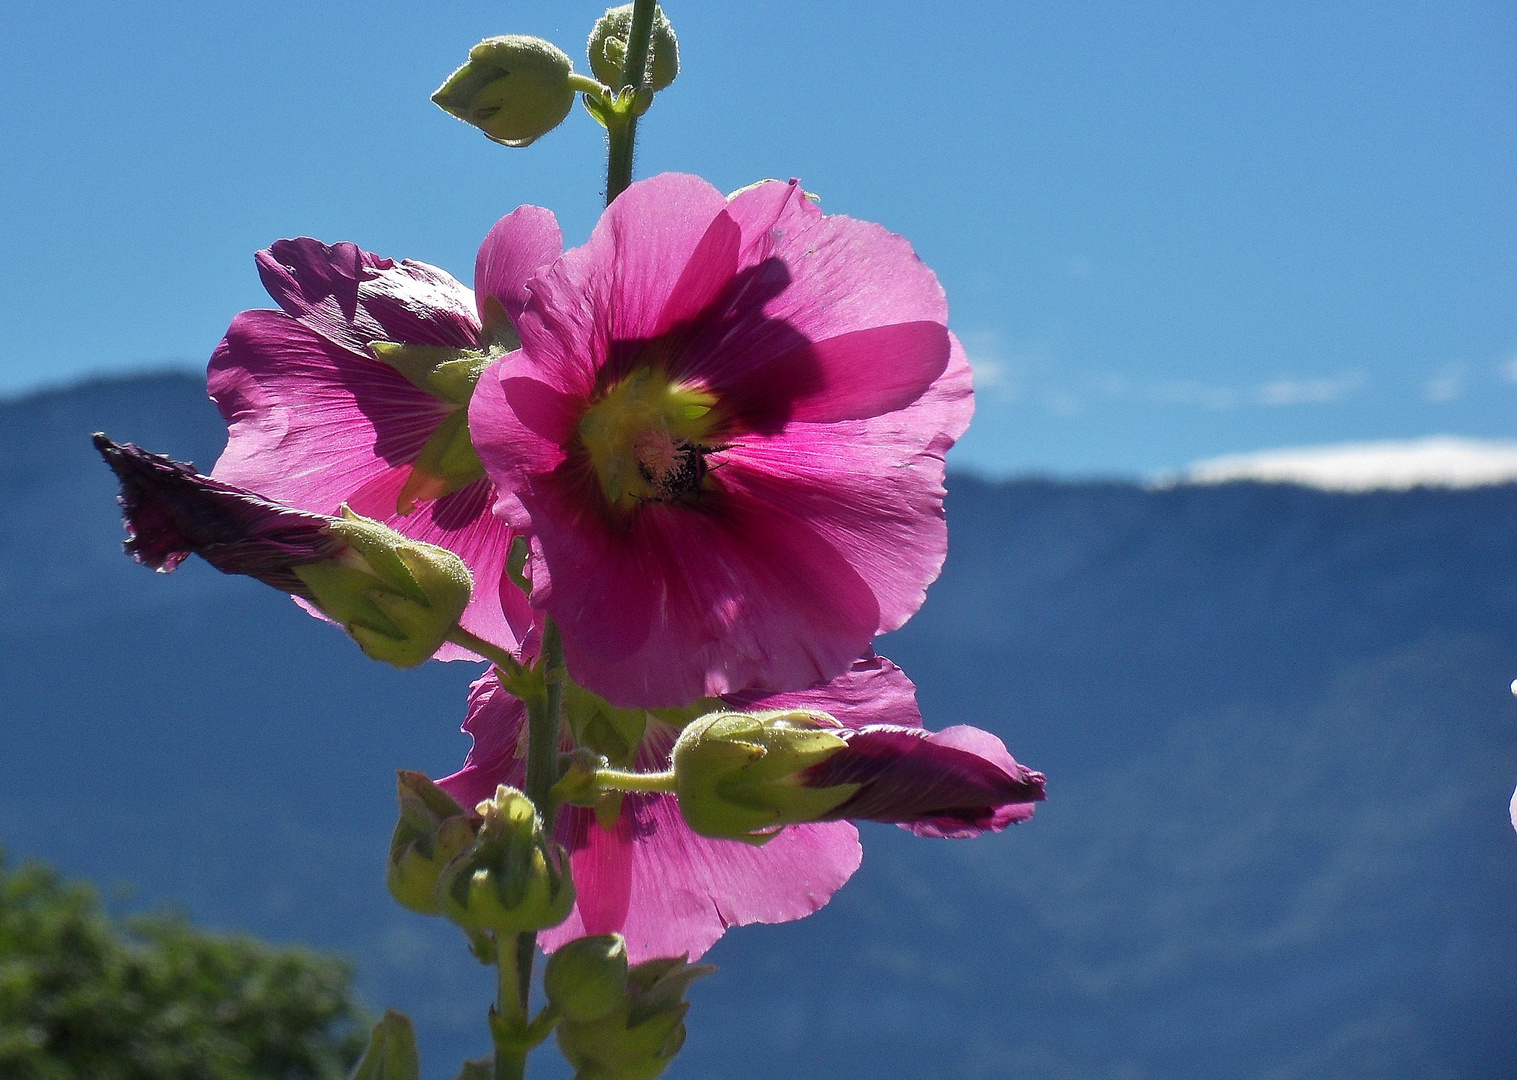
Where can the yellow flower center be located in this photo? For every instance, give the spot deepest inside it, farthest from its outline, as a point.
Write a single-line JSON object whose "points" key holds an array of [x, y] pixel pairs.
{"points": [[648, 439]]}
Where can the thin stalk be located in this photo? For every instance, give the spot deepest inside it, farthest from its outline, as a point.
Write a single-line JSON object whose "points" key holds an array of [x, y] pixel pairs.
{"points": [[510, 1058], [502, 659], [617, 780], [622, 138], [542, 774]]}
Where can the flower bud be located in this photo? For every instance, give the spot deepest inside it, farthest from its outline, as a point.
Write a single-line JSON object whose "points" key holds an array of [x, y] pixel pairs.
{"points": [[638, 1038], [514, 88], [391, 1053], [432, 831], [735, 772], [587, 978], [608, 48], [742, 775], [512, 879], [398, 598]]}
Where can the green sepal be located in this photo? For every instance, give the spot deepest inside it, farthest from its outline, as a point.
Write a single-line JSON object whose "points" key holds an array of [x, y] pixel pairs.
{"points": [[446, 464], [391, 1054], [609, 730], [446, 373], [587, 977], [738, 774], [432, 831], [513, 879]]}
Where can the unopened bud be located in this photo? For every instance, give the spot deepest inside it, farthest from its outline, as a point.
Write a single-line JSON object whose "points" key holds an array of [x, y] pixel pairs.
{"points": [[641, 1034], [608, 48], [743, 775], [391, 1053], [512, 879], [514, 88], [736, 773], [432, 831], [587, 978], [399, 598]]}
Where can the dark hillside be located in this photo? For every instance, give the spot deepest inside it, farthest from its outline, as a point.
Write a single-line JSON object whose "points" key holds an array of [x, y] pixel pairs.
{"points": [[1275, 723]]}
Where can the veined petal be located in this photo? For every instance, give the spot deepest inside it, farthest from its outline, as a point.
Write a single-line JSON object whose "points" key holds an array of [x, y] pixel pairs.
{"points": [[352, 297], [513, 250]]}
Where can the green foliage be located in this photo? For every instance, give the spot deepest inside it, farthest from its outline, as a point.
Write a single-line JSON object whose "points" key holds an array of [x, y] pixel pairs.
{"points": [[83, 997]]}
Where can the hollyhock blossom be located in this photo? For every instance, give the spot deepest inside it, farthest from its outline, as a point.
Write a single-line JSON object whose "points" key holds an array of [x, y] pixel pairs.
{"points": [[725, 431], [649, 876], [355, 392]]}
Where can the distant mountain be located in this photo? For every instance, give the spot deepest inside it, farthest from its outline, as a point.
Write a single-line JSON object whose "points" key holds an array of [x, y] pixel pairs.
{"points": [[1275, 722]]}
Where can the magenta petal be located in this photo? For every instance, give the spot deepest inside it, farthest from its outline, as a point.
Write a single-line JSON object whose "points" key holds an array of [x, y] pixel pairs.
{"points": [[872, 691], [515, 247], [311, 423], [767, 213], [853, 376], [351, 297], [710, 269], [743, 594], [616, 286], [315, 426], [956, 783]]}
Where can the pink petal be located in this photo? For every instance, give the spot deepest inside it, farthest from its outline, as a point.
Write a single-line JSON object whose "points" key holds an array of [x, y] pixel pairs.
{"points": [[873, 489], [351, 297], [708, 600], [768, 212], [872, 691], [616, 286], [314, 426], [515, 247], [311, 423]]}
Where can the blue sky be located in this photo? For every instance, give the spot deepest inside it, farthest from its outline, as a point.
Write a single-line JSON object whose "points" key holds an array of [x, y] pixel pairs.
{"points": [[1167, 230]]}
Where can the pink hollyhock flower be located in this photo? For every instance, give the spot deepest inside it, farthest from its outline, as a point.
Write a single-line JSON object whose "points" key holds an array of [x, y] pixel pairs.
{"points": [[650, 877], [725, 432], [356, 393]]}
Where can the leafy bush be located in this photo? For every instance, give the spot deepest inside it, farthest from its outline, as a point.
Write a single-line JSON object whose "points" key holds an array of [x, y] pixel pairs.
{"points": [[86, 997]]}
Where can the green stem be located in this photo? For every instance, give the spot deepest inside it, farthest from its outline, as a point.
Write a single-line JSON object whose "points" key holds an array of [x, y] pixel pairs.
{"points": [[617, 780], [622, 138], [502, 659], [511, 1013], [542, 774]]}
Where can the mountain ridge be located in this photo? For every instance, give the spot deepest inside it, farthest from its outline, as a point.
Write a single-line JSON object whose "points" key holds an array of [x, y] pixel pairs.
{"points": [[1275, 723]]}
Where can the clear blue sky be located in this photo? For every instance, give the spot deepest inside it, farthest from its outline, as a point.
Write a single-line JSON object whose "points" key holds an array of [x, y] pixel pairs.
{"points": [[1167, 230]]}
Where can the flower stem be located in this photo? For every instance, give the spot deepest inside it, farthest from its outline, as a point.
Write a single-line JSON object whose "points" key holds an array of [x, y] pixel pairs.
{"points": [[542, 774], [511, 1013], [617, 780], [502, 659], [623, 136]]}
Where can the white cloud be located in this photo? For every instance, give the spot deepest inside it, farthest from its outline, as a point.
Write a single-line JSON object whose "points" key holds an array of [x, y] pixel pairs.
{"points": [[1307, 391], [1437, 461], [1446, 386]]}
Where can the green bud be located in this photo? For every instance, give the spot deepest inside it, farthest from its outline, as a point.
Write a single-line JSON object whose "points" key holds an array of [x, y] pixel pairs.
{"points": [[587, 978], [512, 880], [432, 831], [514, 88], [391, 1054], [397, 597], [639, 1036], [608, 48], [737, 774], [478, 1069]]}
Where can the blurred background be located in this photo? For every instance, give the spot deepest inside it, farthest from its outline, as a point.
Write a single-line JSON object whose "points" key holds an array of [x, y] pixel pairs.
{"points": [[1274, 717]]}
